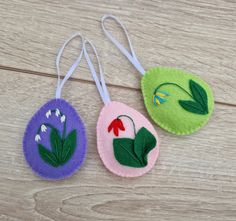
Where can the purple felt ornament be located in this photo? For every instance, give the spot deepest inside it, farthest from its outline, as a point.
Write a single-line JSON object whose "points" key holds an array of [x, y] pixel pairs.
{"points": [[55, 142]]}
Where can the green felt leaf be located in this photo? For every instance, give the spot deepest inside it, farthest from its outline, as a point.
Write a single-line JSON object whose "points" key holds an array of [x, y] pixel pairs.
{"points": [[48, 156], [124, 152], [199, 94], [144, 142], [192, 106], [56, 143], [69, 146]]}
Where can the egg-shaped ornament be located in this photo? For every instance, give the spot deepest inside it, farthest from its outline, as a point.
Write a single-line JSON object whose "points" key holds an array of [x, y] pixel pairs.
{"points": [[126, 141], [55, 142], [177, 101]]}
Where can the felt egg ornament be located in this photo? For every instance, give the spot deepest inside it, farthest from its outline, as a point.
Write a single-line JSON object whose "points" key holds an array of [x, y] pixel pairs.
{"points": [[177, 101], [55, 142], [126, 141]]}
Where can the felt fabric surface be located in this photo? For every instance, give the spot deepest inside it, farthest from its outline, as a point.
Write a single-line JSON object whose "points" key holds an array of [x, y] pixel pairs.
{"points": [[55, 121], [179, 102], [106, 136], [133, 152]]}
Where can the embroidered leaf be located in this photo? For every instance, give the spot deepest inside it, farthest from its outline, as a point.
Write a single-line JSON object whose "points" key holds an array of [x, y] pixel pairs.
{"points": [[124, 152], [192, 106], [48, 156], [199, 95], [69, 146], [56, 143], [144, 142]]}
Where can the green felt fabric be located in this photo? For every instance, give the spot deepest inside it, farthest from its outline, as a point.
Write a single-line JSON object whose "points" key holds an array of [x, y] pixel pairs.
{"points": [[62, 149], [134, 152], [174, 115]]}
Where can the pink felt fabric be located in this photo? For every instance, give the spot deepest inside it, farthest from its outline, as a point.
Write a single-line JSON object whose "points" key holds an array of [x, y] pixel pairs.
{"points": [[105, 139]]}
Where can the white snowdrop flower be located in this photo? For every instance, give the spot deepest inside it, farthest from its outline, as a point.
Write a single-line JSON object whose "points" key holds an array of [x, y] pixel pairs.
{"points": [[63, 118], [37, 138], [48, 114], [43, 128], [57, 112]]}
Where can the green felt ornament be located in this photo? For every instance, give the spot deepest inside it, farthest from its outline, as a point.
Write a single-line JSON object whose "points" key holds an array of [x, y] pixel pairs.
{"points": [[177, 101]]}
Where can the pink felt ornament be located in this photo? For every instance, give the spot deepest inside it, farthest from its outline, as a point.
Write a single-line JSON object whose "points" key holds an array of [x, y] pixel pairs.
{"points": [[127, 142]]}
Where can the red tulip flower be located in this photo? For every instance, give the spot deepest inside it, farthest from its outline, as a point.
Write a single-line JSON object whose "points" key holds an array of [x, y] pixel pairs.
{"points": [[116, 125]]}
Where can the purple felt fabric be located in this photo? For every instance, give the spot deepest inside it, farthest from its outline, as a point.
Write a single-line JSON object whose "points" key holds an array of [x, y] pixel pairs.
{"points": [[30, 146]]}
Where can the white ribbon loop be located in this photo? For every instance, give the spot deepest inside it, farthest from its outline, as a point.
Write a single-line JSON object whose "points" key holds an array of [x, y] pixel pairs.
{"points": [[131, 56], [100, 83], [60, 83]]}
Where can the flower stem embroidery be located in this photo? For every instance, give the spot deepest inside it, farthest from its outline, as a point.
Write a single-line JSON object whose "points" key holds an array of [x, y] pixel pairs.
{"points": [[62, 146], [174, 84], [44, 126], [198, 103], [126, 116], [131, 152], [64, 131]]}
